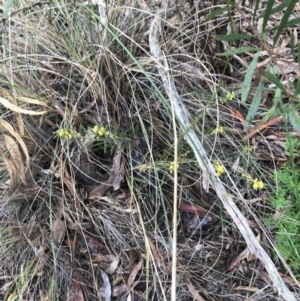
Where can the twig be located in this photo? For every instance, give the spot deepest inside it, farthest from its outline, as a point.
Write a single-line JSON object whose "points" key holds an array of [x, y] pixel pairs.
{"points": [[205, 164], [260, 127]]}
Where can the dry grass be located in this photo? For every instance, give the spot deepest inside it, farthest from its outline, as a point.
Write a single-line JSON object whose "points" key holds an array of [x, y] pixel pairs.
{"points": [[60, 237]]}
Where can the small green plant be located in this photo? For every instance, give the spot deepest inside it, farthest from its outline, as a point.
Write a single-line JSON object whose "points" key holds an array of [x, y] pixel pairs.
{"points": [[286, 202]]}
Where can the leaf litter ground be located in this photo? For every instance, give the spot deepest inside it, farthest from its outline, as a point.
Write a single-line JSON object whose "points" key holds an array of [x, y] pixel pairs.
{"points": [[88, 158]]}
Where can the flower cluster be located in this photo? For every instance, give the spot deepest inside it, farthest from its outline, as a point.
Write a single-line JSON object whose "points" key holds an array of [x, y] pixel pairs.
{"points": [[256, 183], [218, 129], [229, 97], [247, 177], [144, 167], [101, 131], [171, 166], [248, 149], [219, 168], [65, 134]]}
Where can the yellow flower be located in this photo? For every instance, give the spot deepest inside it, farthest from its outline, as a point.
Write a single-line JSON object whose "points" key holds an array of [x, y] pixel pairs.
{"points": [[248, 149], [101, 131], [63, 133], [258, 184], [172, 166], [219, 168], [223, 100], [219, 129], [144, 167], [109, 134], [60, 132], [247, 177], [230, 96]]}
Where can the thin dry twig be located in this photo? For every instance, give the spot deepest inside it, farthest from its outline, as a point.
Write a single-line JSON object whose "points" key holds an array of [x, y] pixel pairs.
{"points": [[205, 164], [260, 127]]}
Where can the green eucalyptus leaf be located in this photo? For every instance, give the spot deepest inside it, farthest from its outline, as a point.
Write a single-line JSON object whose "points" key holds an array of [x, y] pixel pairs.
{"points": [[295, 119], [238, 51], [267, 13], [255, 103], [284, 20], [272, 78], [290, 23], [233, 37], [248, 78], [277, 98], [297, 90], [217, 12], [276, 9]]}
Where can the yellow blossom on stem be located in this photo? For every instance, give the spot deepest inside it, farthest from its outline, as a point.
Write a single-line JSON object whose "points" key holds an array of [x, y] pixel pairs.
{"points": [[247, 177], [172, 166], [248, 149], [218, 129], [219, 168], [230, 96], [258, 184], [63, 133], [144, 167]]}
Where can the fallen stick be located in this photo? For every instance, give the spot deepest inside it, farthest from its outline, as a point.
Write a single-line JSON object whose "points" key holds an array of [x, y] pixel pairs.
{"points": [[260, 127]]}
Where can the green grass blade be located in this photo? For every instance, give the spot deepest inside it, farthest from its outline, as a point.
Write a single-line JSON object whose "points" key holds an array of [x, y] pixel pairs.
{"points": [[284, 20], [7, 7], [248, 78], [299, 53], [255, 103], [238, 51], [295, 120], [273, 79], [216, 13], [268, 13], [233, 37], [255, 10], [290, 23], [297, 90], [276, 9], [271, 112]]}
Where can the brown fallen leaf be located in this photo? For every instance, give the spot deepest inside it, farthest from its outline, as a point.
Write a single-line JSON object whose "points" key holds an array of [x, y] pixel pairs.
{"points": [[155, 254], [6, 126], [92, 243], [6, 103], [136, 268], [237, 113], [192, 289], [12, 296], [16, 157], [115, 179], [58, 230], [243, 255], [195, 217], [118, 290], [79, 286], [13, 174], [76, 293], [246, 288], [105, 291], [193, 209], [111, 259]]}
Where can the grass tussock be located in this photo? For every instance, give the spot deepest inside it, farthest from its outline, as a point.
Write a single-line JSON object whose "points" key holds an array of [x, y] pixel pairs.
{"points": [[87, 172]]}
